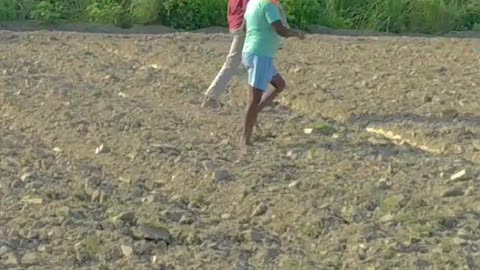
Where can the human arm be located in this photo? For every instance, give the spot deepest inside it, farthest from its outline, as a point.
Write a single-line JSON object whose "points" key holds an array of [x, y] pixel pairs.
{"points": [[286, 32], [274, 17]]}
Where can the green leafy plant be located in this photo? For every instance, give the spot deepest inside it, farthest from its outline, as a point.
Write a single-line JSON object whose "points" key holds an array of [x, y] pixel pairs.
{"points": [[104, 11], [146, 11], [25, 8], [75, 10], [47, 12], [110, 11], [194, 14], [302, 12], [8, 10]]}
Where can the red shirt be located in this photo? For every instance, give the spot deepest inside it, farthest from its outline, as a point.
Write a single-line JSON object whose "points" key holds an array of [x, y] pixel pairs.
{"points": [[236, 11]]}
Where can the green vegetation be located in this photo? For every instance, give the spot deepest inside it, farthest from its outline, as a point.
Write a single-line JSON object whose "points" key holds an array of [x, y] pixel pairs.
{"points": [[422, 16]]}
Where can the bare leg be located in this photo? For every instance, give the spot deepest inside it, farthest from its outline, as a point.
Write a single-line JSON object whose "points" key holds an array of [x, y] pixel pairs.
{"points": [[251, 116], [279, 83]]}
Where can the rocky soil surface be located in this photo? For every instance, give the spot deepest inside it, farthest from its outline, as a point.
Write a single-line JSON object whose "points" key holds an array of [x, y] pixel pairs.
{"points": [[370, 161]]}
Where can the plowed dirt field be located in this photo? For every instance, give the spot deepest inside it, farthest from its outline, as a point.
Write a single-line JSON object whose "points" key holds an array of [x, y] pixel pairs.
{"points": [[107, 160]]}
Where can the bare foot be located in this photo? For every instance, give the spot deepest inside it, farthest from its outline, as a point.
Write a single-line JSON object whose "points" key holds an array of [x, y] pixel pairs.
{"points": [[244, 148], [245, 143]]}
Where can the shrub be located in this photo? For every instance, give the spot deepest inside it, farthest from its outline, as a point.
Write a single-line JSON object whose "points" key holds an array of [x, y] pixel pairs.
{"points": [[435, 16], [302, 12], [194, 14], [47, 12], [146, 11], [8, 10], [25, 8], [388, 16], [424, 16], [75, 10], [472, 15], [104, 11]]}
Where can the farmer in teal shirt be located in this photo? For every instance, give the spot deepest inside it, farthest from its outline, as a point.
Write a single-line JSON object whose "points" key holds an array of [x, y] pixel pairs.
{"points": [[264, 27]]}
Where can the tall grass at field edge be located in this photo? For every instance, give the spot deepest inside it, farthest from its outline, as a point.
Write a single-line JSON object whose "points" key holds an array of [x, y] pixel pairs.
{"points": [[397, 16]]}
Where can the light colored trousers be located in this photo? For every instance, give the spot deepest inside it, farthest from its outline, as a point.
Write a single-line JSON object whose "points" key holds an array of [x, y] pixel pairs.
{"points": [[230, 67]]}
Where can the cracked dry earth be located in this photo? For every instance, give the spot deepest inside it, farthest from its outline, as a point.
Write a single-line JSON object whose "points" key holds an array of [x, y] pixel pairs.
{"points": [[107, 161]]}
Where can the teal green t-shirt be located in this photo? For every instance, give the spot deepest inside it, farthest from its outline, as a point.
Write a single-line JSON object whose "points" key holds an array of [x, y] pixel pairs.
{"points": [[261, 38]]}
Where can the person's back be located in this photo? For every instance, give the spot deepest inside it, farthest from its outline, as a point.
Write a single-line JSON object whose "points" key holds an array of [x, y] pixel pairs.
{"points": [[261, 38]]}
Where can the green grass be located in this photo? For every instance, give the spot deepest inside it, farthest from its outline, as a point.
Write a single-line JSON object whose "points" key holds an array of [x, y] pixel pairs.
{"points": [[420, 16]]}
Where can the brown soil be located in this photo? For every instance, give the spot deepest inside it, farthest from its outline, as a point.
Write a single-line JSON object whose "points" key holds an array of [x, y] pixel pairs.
{"points": [[343, 197]]}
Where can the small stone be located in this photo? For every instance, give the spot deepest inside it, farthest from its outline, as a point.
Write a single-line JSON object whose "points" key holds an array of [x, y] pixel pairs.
{"points": [[165, 147], [34, 185], [91, 185], [297, 69], [30, 258], [125, 179], [387, 218], [186, 220], [26, 176], [127, 251], [383, 184], [461, 175], [32, 200], [155, 233], [208, 165], [154, 259], [476, 145], [459, 241], [294, 184], [118, 223], [17, 184], [465, 234], [308, 131], [253, 236], [144, 247], [173, 214], [4, 250], [324, 206], [63, 211], [128, 217], [457, 149], [101, 149], [270, 255], [470, 191], [376, 141], [454, 192], [10, 259], [427, 99], [260, 210], [152, 198], [43, 249], [221, 175], [291, 154], [98, 196]]}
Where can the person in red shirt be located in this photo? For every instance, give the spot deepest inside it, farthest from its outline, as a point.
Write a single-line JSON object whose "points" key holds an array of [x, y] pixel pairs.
{"points": [[236, 11]]}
